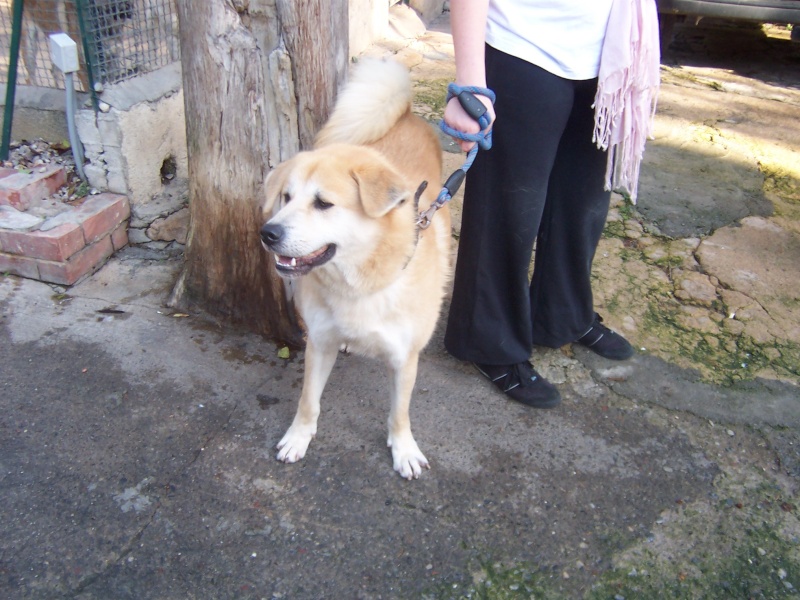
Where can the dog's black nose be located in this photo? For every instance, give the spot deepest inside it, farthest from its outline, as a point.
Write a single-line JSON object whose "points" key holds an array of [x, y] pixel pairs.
{"points": [[272, 233]]}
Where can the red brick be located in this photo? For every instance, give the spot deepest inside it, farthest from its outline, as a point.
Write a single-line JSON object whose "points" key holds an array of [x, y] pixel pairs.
{"points": [[119, 239], [11, 198], [102, 214], [57, 244], [79, 265], [20, 189], [19, 265]]}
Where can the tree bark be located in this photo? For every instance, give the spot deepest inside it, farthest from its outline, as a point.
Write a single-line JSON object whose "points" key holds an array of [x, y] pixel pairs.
{"points": [[259, 79]]}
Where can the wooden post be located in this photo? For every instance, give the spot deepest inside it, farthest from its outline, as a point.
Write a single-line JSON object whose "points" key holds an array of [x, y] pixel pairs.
{"points": [[259, 79]]}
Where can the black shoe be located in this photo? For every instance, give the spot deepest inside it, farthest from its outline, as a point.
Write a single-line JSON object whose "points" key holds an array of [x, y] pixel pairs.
{"points": [[522, 383], [601, 340]]}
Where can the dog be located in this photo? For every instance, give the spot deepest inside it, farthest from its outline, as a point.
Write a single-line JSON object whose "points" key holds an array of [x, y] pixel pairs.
{"points": [[342, 223]]}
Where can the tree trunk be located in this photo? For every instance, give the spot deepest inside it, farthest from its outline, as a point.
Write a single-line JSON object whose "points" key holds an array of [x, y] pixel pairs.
{"points": [[259, 79]]}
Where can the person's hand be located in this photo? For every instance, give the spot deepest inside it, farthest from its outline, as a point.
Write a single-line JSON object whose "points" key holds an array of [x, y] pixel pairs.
{"points": [[457, 118]]}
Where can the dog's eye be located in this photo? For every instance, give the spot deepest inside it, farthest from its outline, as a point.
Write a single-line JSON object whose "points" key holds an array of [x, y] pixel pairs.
{"points": [[286, 198], [321, 204]]}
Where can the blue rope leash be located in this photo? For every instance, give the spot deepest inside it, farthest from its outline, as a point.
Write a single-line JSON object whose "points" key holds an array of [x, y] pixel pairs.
{"points": [[483, 139]]}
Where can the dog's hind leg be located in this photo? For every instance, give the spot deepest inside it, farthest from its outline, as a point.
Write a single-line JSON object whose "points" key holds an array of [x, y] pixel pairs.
{"points": [[319, 362], [407, 458]]}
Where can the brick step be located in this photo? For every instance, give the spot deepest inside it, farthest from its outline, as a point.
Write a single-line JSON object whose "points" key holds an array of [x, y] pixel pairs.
{"points": [[66, 247], [20, 190]]}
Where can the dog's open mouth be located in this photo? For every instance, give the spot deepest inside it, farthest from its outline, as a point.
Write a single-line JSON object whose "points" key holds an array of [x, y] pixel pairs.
{"points": [[300, 265]]}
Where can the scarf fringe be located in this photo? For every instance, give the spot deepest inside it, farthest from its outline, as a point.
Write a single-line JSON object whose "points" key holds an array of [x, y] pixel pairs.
{"points": [[627, 91]]}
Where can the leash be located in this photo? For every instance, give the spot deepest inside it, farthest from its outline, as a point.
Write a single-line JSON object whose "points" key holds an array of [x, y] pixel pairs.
{"points": [[483, 139]]}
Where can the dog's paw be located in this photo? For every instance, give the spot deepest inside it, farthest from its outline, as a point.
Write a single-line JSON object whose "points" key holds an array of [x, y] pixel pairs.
{"points": [[407, 457], [294, 444]]}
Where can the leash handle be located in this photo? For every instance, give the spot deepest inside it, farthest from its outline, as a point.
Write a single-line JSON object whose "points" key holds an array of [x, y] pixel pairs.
{"points": [[483, 139], [475, 109]]}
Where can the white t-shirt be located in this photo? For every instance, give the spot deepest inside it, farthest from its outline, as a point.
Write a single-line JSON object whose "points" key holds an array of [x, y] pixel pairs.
{"points": [[564, 37]]}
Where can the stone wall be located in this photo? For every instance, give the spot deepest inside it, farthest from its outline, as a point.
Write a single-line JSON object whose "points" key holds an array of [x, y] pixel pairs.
{"points": [[136, 146], [370, 19]]}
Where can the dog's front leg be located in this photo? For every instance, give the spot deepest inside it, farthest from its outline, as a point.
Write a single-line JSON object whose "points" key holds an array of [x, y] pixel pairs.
{"points": [[407, 458], [319, 362]]}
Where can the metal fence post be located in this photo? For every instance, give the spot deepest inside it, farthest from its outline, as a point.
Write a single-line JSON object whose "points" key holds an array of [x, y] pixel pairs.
{"points": [[88, 42], [11, 85]]}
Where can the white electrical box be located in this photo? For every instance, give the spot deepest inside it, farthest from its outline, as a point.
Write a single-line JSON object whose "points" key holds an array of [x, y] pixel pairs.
{"points": [[64, 52]]}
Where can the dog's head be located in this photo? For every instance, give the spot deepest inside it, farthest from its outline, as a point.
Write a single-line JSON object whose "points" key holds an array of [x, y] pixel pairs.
{"points": [[340, 206]]}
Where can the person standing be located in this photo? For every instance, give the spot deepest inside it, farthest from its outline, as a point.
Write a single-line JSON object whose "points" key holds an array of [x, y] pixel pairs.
{"points": [[544, 182]]}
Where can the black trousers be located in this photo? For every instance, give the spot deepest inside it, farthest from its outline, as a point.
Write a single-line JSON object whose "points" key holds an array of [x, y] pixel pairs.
{"points": [[541, 182]]}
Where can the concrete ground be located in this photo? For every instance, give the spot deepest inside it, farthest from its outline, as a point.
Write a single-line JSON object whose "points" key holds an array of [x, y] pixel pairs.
{"points": [[136, 444]]}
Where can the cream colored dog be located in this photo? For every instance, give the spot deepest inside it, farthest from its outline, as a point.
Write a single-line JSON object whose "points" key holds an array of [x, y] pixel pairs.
{"points": [[346, 229]]}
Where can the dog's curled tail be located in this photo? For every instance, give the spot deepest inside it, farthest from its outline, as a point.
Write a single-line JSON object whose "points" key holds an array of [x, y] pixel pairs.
{"points": [[371, 102]]}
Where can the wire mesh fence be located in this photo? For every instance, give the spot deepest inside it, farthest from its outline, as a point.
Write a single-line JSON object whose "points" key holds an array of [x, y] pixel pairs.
{"points": [[117, 39]]}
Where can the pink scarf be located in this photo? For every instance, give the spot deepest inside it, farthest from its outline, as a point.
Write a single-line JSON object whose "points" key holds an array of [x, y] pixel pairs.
{"points": [[627, 88]]}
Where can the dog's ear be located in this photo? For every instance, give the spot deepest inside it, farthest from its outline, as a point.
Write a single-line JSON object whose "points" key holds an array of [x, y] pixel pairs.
{"points": [[274, 187], [380, 188]]}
